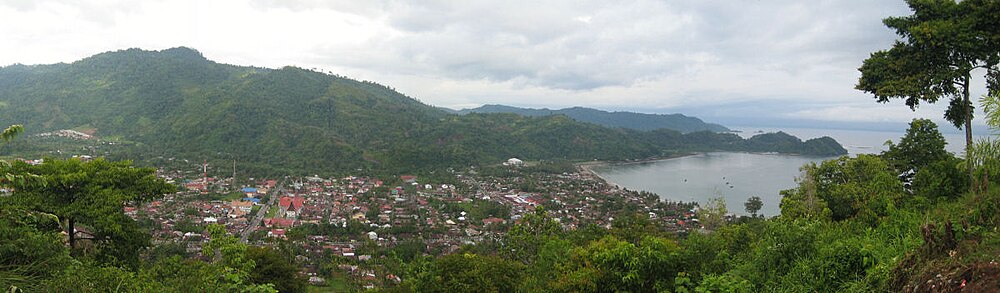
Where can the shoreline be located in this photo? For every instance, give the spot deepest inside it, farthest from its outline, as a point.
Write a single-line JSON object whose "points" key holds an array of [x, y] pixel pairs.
{"points": [[586, 168]]}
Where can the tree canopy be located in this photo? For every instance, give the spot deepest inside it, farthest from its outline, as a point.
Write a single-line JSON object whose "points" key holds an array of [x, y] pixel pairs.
{"points": [[942, 43], [90, 195]]}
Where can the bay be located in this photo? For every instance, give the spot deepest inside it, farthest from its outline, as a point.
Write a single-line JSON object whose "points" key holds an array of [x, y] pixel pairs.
{"points": [[732, 176], [738, 176]]}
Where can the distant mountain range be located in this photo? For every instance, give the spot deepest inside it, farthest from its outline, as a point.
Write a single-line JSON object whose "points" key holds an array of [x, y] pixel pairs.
{"points": [[630, 120], [176, 103]]}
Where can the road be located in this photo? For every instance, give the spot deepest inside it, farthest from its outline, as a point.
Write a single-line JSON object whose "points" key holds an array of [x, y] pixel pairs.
{"points": [[273, 195]]}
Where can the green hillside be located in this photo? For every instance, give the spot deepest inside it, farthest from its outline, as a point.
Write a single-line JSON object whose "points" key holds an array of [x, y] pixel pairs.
{"points": [[630, 120], [290, 120]]}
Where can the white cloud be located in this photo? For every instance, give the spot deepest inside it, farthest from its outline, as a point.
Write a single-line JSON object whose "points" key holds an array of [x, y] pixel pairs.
{"points": [[628, 54]]}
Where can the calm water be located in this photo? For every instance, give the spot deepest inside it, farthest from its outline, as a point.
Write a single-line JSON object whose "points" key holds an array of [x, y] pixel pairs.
{"points": [[738, 176], [733, 176]]}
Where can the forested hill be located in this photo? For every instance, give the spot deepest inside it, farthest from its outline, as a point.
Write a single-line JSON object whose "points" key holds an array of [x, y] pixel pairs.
{"points": [[176, 103], [630, 120]]}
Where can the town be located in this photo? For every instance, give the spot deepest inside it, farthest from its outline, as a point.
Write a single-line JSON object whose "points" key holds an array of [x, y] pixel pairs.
{"points": [[343, 227]]}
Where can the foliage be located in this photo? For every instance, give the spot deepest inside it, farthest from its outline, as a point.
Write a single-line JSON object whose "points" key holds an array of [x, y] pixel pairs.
{"points": [[991, 106], [236, 264], [31, 249], [941, 178], [469, 273], [942, 43], [272, 267], [11, 131], [713, 214], [848, 187], [753, 205], [804, 201], [526, 237], [91, 194], [922, 145]]}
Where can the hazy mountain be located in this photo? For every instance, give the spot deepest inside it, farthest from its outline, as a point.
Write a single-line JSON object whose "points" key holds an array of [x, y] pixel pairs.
{"points": [[177, 103], [630, 120]]}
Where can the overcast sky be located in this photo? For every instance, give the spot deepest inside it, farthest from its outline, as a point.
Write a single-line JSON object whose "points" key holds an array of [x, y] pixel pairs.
{"points": [[734, 61]]}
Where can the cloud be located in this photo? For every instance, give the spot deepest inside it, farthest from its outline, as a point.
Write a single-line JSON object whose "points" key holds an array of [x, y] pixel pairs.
{"points": [[799, 58]]}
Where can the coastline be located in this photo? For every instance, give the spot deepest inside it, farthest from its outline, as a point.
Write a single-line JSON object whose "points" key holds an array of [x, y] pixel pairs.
{"points": [[586, 168]]}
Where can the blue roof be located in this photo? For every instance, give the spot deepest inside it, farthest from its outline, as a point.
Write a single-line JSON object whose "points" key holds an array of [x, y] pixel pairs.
{"points": [[249, 189], [255, 200]]}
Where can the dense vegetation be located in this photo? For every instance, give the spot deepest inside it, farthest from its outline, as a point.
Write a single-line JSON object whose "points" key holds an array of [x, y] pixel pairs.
{"points": [[175, 103], [630, 120]]}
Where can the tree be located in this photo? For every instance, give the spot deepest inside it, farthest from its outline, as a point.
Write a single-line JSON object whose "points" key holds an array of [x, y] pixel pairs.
{"points": [[843, 188], [922, 145], [92, 194], [11, 132], [525, 238], [753, 205], [31, 249], [469, 273], [614, 265], [272, 267], [803, 201], [991, 105], [943, 42], [632, 227], [713, 214]]}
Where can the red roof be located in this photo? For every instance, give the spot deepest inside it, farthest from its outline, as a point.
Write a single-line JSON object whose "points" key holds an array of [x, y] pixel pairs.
{"points": [[270, 183], [285, 202], [298, 202], [279, 222]]}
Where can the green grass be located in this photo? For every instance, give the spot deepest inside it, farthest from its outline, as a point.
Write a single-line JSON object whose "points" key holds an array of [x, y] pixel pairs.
{"points": [[271, 212], [335, 284]]}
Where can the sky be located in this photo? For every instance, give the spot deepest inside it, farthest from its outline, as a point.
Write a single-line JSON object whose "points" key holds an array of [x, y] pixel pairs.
{"points": [[735, 62]]}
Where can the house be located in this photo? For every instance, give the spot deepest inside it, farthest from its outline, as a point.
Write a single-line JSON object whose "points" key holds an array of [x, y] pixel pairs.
{"points": [[513, 162], [276, 233], [279, 222], [284, 203], [250, 191], [408, 178], [291, 206], [245, 206]]}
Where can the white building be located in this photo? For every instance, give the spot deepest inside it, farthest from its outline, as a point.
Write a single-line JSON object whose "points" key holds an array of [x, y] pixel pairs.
{"points": [[513, 162]]}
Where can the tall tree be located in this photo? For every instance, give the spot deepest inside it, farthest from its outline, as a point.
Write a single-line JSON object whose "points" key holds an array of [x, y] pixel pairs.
{"points": [[922, 145], [942, 43], [753, 204], [93, 194]]}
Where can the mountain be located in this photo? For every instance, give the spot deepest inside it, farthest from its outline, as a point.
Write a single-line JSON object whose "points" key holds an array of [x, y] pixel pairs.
{"points": [[176, 103], [630, 120]]}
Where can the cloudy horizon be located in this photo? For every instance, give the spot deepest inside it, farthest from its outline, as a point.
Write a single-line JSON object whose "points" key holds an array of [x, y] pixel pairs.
{"points": [[723, 61]]}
